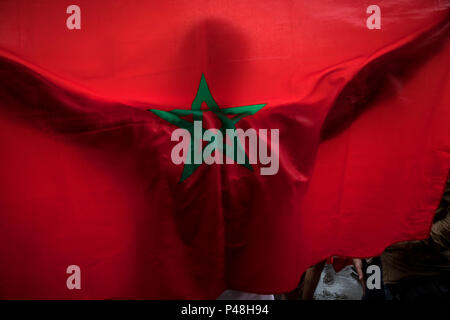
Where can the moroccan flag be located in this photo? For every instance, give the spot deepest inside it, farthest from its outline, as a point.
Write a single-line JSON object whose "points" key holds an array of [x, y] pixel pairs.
{"points": [[117, 153]]}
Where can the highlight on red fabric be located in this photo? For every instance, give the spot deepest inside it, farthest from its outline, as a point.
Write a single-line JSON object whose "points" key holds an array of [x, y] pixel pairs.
{"points": [[86, 176]]}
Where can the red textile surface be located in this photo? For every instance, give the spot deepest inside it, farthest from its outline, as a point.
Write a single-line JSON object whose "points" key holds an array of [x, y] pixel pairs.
{"points": [[85, 171]]}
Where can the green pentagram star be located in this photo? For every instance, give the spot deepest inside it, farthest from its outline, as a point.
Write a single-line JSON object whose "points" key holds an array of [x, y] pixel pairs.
{"points": [[228, 116]]}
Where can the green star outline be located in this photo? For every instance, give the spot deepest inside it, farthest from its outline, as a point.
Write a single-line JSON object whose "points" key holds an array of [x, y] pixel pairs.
{"points": [[204, 95]]}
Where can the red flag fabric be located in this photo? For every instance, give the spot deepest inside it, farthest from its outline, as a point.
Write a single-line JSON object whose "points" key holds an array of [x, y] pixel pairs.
{"points": [[86, 118]]}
